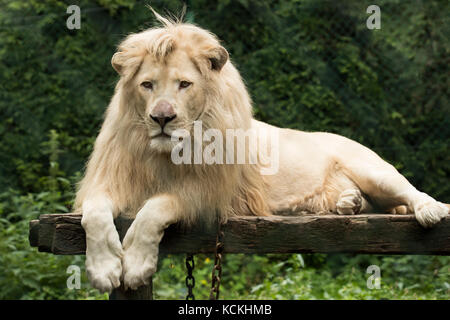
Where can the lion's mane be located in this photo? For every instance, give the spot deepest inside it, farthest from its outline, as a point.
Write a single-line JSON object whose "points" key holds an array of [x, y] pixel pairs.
{"points": [[122, 165]]}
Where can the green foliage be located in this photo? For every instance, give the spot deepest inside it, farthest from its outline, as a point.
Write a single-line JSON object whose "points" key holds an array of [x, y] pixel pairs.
{"points": [[308, 64], [27, 274], [308, 277]]}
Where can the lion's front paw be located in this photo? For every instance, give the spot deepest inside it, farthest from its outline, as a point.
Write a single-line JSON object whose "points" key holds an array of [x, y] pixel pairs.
{"points": [[139, 261], [138, 268], [104, 264], [430, 212], [349, 202]]}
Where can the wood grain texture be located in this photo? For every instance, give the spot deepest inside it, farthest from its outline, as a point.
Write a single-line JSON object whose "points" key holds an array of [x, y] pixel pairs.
{"points": [[368, 233]]}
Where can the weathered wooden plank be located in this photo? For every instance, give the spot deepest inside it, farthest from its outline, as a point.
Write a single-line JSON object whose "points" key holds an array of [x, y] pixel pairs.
{"points": [[33, 236], [368, 233]]}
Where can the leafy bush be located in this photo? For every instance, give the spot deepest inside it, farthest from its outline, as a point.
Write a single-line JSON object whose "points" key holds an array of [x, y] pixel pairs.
{"points": [[309, 277], [26, 273]]}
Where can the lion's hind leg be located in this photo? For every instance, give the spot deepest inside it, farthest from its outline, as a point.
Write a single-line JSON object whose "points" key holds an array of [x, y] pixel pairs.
{"points": [[351, 202], [399, 210], [389, 189]]}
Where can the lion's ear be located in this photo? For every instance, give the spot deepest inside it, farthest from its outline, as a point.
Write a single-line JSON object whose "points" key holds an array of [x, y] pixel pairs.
{"points": [[218, 57], [212, 59], [126, 63], [117, 62]]}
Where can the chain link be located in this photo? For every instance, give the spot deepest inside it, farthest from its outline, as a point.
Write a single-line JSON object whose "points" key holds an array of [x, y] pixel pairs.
{"points": [[217, 269], [190, 280]]}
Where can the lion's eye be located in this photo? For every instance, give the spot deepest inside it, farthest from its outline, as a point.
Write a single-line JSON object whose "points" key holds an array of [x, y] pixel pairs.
{"points": [[184, 84], [147, 84]]}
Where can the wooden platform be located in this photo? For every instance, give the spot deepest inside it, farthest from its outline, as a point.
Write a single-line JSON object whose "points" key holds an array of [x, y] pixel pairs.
{"points": [[368, 233]]}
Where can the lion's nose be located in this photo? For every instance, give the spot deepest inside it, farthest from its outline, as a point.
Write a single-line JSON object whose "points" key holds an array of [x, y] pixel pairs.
{"points": [[163, 113]]}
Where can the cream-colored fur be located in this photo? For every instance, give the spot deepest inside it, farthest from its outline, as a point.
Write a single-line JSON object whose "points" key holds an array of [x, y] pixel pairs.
{"points": [[130, 171]]}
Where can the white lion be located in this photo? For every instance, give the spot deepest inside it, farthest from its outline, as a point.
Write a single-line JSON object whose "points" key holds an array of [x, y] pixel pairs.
{"points": [[171, 77]]}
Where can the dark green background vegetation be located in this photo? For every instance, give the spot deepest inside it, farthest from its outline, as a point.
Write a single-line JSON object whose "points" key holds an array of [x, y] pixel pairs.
{"points": [[308, 64]]}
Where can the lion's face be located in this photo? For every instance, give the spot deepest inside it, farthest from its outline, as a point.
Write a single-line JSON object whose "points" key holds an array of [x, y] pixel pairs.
{"points": [[171, 77], [171, 97]]}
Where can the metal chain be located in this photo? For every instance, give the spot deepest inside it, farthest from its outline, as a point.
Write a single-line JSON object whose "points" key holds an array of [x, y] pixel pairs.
{"points": [[217, 269], [190, 280]]}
